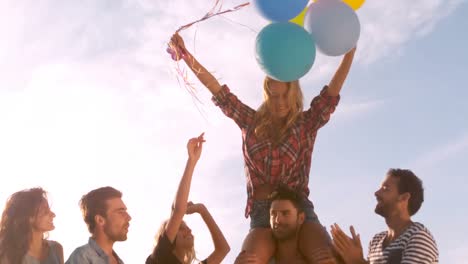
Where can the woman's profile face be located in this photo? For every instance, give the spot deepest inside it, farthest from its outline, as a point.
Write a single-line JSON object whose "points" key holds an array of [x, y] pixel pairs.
{"points": [[184, 236], [44, 219]]}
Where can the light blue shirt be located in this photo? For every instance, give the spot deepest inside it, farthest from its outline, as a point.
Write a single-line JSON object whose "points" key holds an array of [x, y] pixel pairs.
{"points": [[90, 253]]}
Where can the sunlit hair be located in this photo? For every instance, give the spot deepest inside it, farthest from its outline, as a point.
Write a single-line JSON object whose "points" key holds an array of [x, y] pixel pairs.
{"points": [[265, 128], [189, 256], [95, 203], [408, 182], [15, 228]]}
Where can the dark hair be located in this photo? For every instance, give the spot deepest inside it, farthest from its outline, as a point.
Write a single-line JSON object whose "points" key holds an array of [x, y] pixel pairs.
{"points": [[285, 193], [408, 182], [94, 203], [15, 226]]}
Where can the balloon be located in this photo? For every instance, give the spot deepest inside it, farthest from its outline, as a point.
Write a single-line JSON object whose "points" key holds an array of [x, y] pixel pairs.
{"points": [[279, 10], [285, 51], [299, 19], [334, 25], [354, 4]]}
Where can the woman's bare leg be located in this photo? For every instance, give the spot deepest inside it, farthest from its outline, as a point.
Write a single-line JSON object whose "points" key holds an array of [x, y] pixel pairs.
{"points": [[260, 242], [315, 244]]}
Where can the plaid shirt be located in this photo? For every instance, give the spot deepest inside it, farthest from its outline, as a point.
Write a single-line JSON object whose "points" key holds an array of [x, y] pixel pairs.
{"points": [[287, 163]]}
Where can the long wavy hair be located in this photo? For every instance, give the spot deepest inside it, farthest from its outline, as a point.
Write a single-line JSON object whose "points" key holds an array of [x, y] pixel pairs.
{"points": [[265, 127], [189, 256], [15, 226]]}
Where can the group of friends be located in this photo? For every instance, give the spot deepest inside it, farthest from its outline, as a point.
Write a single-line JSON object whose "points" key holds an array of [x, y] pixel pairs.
{"points": [[277, 144]]}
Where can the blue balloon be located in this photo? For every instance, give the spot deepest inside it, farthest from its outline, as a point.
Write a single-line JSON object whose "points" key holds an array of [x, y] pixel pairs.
{"points": [[285, 51], [335, 26], [280, 10]]}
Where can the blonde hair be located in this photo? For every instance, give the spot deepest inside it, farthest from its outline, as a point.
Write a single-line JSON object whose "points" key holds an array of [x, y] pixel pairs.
{"points": [[265, 128], [189, 255]]}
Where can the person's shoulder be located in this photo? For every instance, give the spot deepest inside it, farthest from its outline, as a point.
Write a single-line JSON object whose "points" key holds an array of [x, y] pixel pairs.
{"points": [[164, 240], [150, 260], [83, 247], [81, 251], [421, 241], [417, 226], [379, 235], [419, 230], [55, 244], [377, 239]]}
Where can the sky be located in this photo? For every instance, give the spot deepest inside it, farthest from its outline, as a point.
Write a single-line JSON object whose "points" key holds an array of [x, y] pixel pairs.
{"points": [[90, 98]]}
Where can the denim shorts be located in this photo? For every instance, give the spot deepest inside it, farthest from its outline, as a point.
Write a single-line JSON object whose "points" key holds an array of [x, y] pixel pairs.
{"points": [[260, 213]]}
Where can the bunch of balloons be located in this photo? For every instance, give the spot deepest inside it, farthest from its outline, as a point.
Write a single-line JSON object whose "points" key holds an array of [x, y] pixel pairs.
{"points": [[285, 49]]}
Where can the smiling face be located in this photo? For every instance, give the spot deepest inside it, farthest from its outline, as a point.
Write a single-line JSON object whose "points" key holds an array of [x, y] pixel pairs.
{"points": [[278, 98], [285, 219], [117, 220], [184, 238], [44, 219], [389, 200]]}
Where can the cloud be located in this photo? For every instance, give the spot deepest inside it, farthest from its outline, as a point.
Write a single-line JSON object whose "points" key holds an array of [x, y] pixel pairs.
{"points": [[88, 97], [351, 110], [386, 27], [441, 153]]}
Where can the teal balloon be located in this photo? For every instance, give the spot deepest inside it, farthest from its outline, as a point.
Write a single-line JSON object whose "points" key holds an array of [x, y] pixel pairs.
{"points": [[335, 26], [285, 51], [279, 10]]}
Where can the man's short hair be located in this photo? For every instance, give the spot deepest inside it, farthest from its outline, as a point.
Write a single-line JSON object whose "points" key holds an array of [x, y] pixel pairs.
{"points": [[94, 203], [286, 193], [408, 182]]}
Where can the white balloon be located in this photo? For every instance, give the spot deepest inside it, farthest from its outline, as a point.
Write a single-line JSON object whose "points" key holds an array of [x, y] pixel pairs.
{"points": [[334, 25]]}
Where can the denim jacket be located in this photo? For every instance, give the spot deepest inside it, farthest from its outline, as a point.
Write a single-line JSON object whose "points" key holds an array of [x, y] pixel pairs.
{"points": [[90, 253]]}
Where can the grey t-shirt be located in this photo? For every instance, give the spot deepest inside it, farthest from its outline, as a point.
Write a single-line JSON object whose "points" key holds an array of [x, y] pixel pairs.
{"points": [[52, 256]]}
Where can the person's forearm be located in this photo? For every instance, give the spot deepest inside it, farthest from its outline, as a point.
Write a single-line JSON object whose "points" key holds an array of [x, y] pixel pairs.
{"points": [[219, 240], [205, 77], [180, 201], [341, 73]]}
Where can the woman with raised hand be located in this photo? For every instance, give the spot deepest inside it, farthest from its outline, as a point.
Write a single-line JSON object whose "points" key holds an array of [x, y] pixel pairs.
{"points": [[278, 141], [26, 220], [174, 240]]}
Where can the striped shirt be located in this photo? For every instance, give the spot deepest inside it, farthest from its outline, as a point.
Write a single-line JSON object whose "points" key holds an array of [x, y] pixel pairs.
{"points": [[415, 245]]}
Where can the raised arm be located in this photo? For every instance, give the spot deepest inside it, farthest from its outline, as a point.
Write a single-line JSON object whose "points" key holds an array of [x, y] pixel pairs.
{"points": [[221, 246], [336, 83], [231, 106], [194, 147], [205, 77]]}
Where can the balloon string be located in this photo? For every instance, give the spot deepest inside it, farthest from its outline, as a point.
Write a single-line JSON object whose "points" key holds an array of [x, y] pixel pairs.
{"points": [[177, 54], [217, 6]]}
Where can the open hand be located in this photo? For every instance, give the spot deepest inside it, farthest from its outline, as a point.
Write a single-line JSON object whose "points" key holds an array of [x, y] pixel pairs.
{"points": [[349, 248]]}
